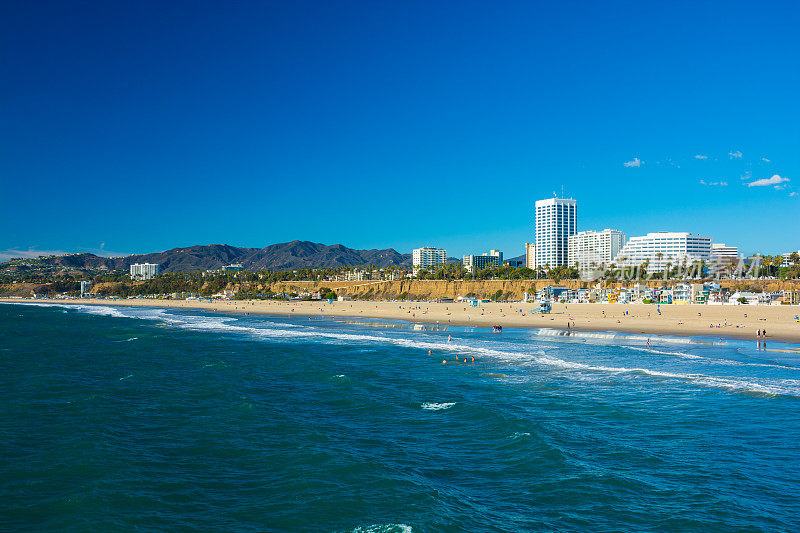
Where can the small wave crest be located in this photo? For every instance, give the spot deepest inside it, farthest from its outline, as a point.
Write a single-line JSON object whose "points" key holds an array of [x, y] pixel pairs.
{"points": [[431, 406], [383, 528], [714, 360], [607, 335]]}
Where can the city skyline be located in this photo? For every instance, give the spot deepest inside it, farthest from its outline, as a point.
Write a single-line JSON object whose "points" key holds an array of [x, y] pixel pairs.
{"points": [[288, 122]]}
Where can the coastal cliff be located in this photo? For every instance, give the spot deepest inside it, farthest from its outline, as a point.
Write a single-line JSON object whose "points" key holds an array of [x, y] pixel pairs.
{"points": [[489, 289]]}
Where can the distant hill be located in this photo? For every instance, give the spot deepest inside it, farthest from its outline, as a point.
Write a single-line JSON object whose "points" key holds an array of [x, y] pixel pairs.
{"points": [[283, 256]]}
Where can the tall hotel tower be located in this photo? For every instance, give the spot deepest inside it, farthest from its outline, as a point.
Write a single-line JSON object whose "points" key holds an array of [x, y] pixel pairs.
{"points": [[556, 220]]}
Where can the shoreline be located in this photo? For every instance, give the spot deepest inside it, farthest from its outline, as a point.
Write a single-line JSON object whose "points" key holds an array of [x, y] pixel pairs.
{"points": [[674, 320]]}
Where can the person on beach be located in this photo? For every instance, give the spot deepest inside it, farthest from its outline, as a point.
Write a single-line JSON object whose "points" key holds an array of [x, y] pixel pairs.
{"points": [[648, 343]]}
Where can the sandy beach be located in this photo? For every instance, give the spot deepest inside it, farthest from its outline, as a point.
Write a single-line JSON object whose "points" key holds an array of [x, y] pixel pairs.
{"points": [[716, 321]]}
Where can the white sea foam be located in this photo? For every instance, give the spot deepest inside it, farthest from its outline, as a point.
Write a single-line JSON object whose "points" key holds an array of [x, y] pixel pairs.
{"points": [[607, 335], [528, 354], [660, 352], [773, 387], [383, 528], [430, 406], [726, 362], [101, 310], [34, 304]]}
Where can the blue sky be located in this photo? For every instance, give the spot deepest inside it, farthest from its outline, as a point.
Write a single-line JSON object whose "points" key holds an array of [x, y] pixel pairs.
{"points": [[137, 127]]}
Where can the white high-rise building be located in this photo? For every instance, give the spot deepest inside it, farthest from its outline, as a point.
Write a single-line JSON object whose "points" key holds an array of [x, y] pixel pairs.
{"points": [[85, 286], [556, 220], [145, 270], [589, 249], [530, 255], [428, 256], [664, 247], [721, 253]]}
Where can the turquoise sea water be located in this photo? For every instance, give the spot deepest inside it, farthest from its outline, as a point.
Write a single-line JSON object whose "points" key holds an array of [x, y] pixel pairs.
{"points": [[152, 420]]}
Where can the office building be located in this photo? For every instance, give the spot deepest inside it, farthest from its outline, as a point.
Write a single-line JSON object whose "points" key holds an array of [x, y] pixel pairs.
{"points": [[721, 253], [145, 270], [663, 248], [473, 263], [427, 257], [589, 249], [556, 220]]}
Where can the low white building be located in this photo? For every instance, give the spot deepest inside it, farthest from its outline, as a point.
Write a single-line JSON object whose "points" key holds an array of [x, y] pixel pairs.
{"points": [[751, 298], [786, 261], [682, 293], [662, 249], [721, 253], [140, 271]]}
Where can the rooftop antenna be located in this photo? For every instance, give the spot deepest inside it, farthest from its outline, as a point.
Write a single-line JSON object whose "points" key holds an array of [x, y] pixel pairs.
{"points": [[562, 190]]}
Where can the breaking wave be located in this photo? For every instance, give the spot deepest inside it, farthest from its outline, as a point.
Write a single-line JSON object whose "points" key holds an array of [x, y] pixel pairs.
{"points": [[518, 353]]}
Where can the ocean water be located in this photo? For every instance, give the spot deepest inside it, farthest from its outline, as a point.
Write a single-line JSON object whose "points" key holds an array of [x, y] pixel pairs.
{"points": [[165, 420]]}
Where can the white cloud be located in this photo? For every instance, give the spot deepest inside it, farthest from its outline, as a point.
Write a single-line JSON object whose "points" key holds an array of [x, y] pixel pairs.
{"points": [[735, 155], [765, 160], [793, 193], [714, 183], [701, 156], [774, 180], [636, 162]]}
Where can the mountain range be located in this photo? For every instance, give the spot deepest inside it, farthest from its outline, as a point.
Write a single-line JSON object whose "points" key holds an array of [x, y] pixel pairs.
{"points": [[282, 256]]}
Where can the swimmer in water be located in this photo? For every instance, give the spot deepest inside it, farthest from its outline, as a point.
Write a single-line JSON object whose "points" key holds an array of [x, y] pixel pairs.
{"points": [[449, 338], [444, 361], [430, 352]]}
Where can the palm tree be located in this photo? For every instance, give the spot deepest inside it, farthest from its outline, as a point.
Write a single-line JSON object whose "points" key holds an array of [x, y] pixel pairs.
{"points": [[767, 262], [778, 262]]}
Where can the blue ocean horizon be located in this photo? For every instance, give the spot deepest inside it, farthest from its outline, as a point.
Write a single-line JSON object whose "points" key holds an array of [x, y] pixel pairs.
{"points": [[124, 418]]}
